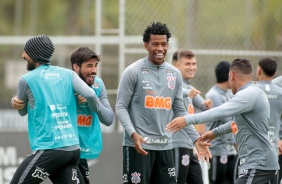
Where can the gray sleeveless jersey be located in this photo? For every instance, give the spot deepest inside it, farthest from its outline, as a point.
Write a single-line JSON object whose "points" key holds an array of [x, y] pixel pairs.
{"points": [[251, 112], [274, 95], [181, 139], [147, 99], [224, 145]]}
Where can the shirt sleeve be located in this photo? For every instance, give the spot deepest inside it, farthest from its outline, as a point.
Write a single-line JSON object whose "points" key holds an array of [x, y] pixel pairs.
{"points": [[22, 93], [237, 105], [106, 114], [198, 101], [218, 101], [222, 129], [82, 88], [180, 110], [124, 94], [186, 92]]}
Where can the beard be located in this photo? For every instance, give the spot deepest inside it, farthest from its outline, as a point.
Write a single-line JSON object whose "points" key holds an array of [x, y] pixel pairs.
{"points": [[84, 79], [30, 66]]}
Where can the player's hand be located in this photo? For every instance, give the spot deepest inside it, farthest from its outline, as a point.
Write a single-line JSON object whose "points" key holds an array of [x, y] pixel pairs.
{"points": [[138, 140], [280, 147], [80, 98], [207, 137], [203, 150], [208, 103], [193, 92], [17, 104], [176, 124]]}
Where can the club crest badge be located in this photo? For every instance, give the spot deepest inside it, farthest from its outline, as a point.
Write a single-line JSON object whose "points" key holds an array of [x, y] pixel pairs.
{"points": [[171, 82], [185, 160], [223, 159], [135, 177]]}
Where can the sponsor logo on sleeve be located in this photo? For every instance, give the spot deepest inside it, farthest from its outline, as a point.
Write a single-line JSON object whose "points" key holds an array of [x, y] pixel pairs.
{"points": [[234, 127]]}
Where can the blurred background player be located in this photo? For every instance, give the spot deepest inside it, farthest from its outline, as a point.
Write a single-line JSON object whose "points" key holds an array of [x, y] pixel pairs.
{"points": [[266, 69], [187, 64], [278, 81], [222, 165], [188, 169]]}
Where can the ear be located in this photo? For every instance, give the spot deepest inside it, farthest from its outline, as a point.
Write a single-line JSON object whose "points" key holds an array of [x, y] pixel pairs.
{"points": [[259, 71], [146, 45], [177, 64], [75, 67], [232, 75]]}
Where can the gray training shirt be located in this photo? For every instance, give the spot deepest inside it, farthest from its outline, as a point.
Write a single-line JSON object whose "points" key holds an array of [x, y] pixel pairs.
{"points": [[181, 138], [274, 95], [147, 99], [223, 145], [278, 82], [251, 112]]}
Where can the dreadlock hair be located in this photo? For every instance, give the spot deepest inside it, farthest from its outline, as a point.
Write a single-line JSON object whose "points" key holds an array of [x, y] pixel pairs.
{"points": [[157, 28]]}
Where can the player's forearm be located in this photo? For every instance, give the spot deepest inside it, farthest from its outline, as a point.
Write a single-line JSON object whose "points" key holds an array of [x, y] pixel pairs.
{"points": [[223, 129]]}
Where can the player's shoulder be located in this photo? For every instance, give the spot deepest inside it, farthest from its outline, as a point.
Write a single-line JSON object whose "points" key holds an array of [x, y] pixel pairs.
{"points": [[135, 67]]}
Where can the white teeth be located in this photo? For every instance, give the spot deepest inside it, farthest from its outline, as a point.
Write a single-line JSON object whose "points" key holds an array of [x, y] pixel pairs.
{"points": [[159, 54]]}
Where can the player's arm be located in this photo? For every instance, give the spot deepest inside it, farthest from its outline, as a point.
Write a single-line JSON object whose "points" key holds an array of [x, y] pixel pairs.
{"points": [[124, 95], [22, 95], [106, 113], [201, 103], [83, 89], [238, 104]]}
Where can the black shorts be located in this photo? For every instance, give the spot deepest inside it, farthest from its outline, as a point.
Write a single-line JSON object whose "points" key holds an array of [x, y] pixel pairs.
{"points": [[155, 168], [188, 169], [59, 166], [280, 171], [83, 169], [253, 176], [222, 169]]}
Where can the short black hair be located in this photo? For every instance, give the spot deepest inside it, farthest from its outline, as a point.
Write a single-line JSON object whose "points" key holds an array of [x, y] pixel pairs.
{"points": [[157, 28], [222, 71], [268, 66], [241, 65], [83, 54]]}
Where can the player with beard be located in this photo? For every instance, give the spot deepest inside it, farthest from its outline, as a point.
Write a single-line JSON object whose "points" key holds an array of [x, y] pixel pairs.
{"points": [[47, 96], [85, 62]]}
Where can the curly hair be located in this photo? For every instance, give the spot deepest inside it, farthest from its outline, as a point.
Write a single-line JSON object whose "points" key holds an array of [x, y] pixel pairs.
{"points": [[157, 28]]}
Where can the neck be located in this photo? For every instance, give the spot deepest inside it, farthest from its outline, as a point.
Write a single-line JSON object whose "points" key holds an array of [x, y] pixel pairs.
{"points": [[223, 85], [264, 78]]}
